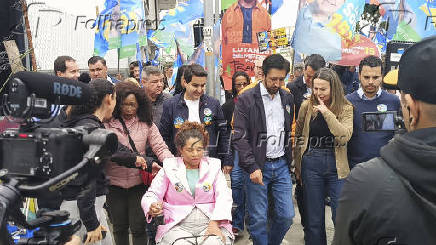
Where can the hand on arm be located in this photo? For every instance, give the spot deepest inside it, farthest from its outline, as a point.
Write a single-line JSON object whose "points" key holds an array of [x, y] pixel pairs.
{"points": [[156, 209], [214, 229]]}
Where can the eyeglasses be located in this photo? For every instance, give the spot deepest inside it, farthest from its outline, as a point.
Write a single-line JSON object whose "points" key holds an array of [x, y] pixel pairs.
{"points": [[239, 85], [134, 105]]}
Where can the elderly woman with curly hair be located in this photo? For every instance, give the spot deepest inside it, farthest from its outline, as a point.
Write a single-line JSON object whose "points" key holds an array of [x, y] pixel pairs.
{"points": [[192, 194], [133, 124]]}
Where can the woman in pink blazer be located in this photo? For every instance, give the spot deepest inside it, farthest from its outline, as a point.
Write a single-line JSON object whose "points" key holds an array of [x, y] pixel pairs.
{"points": [[191, 192]]}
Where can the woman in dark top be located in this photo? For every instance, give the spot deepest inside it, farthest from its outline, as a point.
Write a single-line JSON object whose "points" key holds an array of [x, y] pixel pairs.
{"points": [[240, 80], [84, 196], [323, 128]]}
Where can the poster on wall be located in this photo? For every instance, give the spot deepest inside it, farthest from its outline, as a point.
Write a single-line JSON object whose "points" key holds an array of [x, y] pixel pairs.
{"points": [[273, 39]]}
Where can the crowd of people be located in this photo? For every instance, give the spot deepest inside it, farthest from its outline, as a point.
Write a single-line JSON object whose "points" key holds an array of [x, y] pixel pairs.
{"points": [[166, 182]]}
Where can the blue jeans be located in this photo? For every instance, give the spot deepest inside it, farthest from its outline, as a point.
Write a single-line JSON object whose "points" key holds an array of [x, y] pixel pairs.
{"points": [[319, 178], [238, 193], [276, 175]]}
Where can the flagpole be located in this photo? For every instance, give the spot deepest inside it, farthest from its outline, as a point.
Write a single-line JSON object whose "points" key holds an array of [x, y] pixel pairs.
{"points": [[118, 62], [207, 42], [28, 34]]}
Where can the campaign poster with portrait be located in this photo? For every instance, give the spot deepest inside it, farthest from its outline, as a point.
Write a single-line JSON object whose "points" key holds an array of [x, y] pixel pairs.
{"points": [[241, 22], [273, 39], [330, 21]]}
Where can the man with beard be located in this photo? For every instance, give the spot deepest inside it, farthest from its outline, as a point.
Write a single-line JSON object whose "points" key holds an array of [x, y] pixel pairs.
{"points": [[262, 127], [364, 146], [66, 67], [391, 199]]}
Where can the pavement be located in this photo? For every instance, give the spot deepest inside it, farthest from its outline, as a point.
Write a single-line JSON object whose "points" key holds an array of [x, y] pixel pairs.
{"points": [[295, 235]]}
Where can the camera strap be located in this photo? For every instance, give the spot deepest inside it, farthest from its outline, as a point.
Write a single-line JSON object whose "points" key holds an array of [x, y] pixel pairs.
{"points": [[132, 144]]}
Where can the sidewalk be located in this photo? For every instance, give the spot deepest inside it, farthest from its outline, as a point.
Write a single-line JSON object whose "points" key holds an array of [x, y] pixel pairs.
{"points": [[295, 235]]}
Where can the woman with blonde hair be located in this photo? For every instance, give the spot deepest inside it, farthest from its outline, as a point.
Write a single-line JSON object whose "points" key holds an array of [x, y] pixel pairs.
{"points": [[323, 128]]}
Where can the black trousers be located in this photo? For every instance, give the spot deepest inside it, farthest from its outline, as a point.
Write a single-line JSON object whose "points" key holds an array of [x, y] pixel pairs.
{"points": [[124, 206]]}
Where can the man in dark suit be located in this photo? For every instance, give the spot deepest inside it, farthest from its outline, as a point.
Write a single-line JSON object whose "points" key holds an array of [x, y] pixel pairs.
{"points": [[301, 87], [262, 127]]}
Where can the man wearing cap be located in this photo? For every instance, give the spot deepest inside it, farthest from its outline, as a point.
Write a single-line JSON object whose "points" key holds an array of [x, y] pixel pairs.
{"points": [[364, 146], [391, 199]]}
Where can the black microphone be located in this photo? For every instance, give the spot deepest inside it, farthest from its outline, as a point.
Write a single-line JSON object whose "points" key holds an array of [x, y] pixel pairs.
{"points": [[55, 89]]}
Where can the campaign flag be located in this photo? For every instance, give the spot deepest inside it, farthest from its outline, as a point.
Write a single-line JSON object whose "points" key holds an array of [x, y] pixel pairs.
{"points": [[133, 29], [177, 63], [406, 20], [359, 49], [139, 59], [177, 24], [330, 23], [120, 25], [276, 4], [183, 13], [103, 26], [420, 25]]}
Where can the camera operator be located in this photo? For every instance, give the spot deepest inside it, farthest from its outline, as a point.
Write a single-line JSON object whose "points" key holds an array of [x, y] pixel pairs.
{"points": [[84, 197], [64, 66], [391, 199]]}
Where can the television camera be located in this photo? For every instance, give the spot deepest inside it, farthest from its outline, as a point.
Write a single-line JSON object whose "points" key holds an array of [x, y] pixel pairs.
{"points": [[35, 160]]}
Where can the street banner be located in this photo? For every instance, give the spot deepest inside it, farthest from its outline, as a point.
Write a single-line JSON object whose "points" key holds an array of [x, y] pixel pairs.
{"points": [[322, 25], [359, 49]]}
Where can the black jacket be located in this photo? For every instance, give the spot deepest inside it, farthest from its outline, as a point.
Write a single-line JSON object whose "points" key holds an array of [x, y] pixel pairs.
{"points": [[392, 199], [249, 137], [228, 109], [91, 181], [175, 112], [298, 88]]}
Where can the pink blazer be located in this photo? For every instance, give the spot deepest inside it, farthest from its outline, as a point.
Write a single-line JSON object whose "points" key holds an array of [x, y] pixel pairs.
{"points": [[212, 195]]}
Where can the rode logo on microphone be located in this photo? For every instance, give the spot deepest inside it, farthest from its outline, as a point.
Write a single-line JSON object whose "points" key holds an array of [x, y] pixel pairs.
{"points": [[67, 89]]}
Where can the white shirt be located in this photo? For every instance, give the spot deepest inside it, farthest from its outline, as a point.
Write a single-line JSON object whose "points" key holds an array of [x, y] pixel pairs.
{"points": [[308, 90], [275, 121], [363, 96], [193, 110]]}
